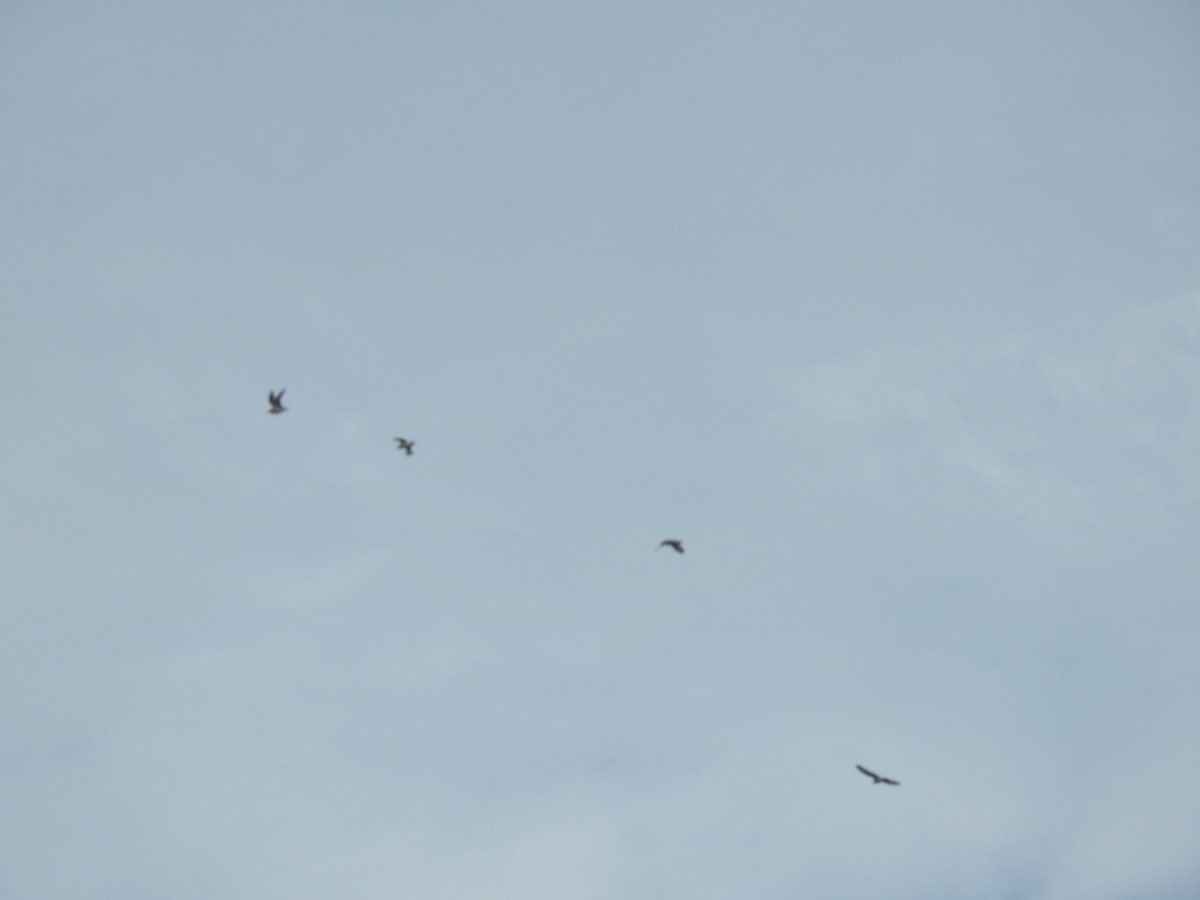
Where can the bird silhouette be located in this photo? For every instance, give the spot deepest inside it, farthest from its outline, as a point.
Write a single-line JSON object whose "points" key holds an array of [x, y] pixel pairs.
{"points": [[673, 543], [878, 779], [276, 401], [406, 446]]}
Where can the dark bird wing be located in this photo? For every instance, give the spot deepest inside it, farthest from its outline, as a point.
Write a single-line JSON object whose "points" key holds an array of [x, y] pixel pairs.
{"points": [[867, 772], [888, 781]]}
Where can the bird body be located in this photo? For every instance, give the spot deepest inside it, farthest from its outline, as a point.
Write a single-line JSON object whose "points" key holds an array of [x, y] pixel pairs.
{"points": [[405, 445], [878, 779], [673, 543], [276, 401]]}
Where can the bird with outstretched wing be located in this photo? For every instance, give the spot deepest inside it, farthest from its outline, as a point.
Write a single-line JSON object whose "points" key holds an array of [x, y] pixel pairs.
{"points": [[878, 779]]}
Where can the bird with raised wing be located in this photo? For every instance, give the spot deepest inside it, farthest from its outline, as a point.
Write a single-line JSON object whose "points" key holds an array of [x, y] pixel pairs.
{"points": [[405, 445], [878, 779], [276, 401], [673, 543]]}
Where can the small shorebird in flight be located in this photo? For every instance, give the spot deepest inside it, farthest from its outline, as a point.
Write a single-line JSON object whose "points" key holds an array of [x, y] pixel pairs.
{"points": [[405, 445], [879, 779], [673, 543], [276, 401]]}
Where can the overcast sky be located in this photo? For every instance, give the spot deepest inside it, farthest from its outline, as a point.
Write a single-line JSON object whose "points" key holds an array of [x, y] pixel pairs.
{"points": [[889, 311]]}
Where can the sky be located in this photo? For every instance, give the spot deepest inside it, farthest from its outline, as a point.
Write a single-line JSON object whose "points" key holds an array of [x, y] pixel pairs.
{"points": [[890, 312]]}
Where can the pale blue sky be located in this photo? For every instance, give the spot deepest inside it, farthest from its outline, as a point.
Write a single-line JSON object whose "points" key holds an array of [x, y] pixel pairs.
{"points": [[890, 311]]}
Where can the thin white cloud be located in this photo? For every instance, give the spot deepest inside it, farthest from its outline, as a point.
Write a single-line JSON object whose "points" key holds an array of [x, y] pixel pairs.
{"points": [[1061, 430]]}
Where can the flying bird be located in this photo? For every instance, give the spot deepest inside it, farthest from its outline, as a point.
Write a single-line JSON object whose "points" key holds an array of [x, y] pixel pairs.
{"points": [[674, 544], [406, 446], [276, 401], [879, 779]]}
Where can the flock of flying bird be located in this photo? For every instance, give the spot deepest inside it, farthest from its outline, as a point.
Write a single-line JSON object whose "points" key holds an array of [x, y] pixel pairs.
{"points": [[275, 399]]}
